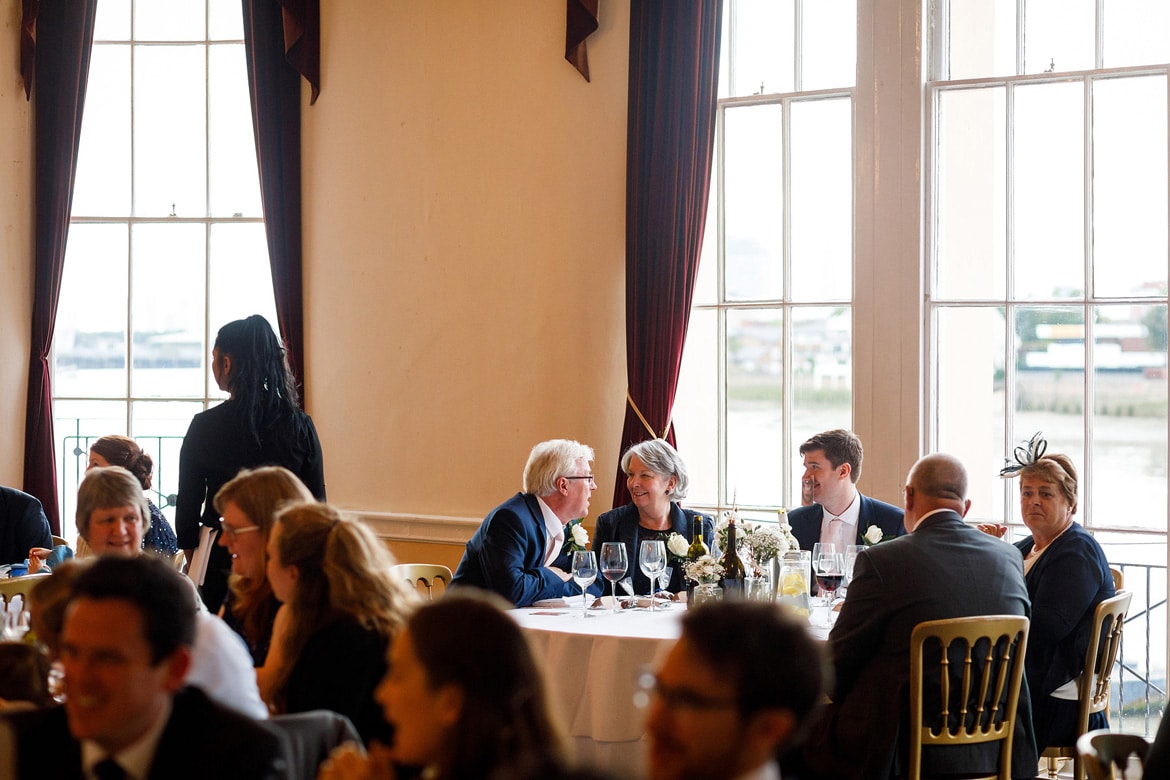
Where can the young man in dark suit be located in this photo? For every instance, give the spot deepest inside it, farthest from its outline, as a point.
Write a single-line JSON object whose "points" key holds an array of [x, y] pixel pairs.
{"points": [[126, 647], [840, 514]]}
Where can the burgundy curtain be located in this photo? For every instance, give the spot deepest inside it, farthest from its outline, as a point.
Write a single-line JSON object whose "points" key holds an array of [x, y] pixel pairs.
{"points": [[57, 36], [282, 42], [674, 74]]}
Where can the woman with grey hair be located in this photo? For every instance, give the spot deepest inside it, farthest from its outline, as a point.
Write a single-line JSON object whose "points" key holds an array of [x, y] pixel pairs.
{"points": [[657, 480]]}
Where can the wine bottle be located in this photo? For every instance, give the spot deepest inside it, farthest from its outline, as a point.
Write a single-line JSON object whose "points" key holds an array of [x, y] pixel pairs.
{"points": [[697, 549], [733, 570]]}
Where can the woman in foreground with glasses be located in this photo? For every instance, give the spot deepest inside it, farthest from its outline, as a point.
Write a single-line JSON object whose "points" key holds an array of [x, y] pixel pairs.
{"points": [[246, 506], [657, 480], [465, 697]]}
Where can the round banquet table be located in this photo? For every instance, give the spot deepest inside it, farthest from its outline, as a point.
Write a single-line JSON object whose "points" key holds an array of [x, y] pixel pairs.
{"points": [[593, 666]]}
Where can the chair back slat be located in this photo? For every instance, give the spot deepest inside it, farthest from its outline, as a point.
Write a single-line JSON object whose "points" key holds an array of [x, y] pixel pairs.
{"points": [[425, 574], [985, 695]]}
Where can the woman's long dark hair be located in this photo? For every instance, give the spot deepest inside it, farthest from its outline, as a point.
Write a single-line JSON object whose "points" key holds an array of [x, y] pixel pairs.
{"points": [[261, 383], [467, 640]]}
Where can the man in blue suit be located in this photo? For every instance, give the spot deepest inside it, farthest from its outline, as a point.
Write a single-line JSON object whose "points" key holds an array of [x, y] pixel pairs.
{"points": [[518, 551], [841, 515]]}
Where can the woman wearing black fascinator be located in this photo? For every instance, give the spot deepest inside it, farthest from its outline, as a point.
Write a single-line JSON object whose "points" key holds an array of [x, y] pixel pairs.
{"points": [[1067, 577]]}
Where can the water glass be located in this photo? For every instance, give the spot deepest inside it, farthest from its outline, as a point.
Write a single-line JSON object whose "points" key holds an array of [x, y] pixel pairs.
{"points": [[584, 574]]}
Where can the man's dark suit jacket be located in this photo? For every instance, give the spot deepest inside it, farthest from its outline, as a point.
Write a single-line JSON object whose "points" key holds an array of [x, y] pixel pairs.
{"points": [[506, 556], [806, 521], [202, 739], [23, 525], [621, 525], [945, 569]]}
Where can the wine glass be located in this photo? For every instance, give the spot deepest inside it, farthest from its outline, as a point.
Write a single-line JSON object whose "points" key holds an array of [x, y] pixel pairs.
{"points": [[652, 560], [830, 572], [851, 553], [664, 578], [584, 574], [614, 563]]}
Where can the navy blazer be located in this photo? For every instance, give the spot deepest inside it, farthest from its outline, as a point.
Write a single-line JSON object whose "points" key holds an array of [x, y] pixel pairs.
{"points": [[506, 556], [806, 521], [23, 525], [201, 739], [945, 569], [621, 525], [1065, 584]]}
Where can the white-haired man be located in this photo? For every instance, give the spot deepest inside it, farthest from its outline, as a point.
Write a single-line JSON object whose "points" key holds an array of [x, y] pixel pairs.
{"points": [[517, 551]]}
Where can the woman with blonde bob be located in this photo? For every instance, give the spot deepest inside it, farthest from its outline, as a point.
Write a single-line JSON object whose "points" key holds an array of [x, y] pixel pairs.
{"points": [[247, 505], [340, 609]]}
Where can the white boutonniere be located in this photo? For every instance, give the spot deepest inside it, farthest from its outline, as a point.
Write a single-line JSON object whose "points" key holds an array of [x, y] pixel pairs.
{"points": [[873, 535], [576, 538], [677, 546]]}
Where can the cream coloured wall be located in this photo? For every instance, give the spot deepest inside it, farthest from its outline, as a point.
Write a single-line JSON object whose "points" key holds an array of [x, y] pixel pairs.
{"points": [[16, 263], [464, 249]]}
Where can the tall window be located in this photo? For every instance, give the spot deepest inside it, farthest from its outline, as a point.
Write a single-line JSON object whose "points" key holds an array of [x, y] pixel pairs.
{"points": [[768, 355], [1048, 248], [166, 241]]}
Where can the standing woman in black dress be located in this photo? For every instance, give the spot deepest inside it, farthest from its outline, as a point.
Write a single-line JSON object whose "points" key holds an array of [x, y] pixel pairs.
{"points": [[261, 424]]}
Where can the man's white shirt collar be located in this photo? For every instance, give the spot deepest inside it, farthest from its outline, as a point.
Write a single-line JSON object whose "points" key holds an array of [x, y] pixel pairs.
{"points": [[135, 759]]}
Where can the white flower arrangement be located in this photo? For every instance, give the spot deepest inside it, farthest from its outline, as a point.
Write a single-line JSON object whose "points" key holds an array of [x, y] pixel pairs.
{"points": [[677, 546], [576, 538], [757, 542], [873, 535], [704, 570]]}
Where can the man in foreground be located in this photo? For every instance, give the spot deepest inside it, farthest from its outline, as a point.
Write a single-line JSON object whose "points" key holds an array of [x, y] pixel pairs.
{"points": [[840, 515], [517, 551], [942, 569], [734, 692], [126, 647]]}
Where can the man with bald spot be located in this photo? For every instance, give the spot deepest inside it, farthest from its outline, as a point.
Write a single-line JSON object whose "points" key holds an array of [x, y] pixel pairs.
{"points": [[943, 568]]}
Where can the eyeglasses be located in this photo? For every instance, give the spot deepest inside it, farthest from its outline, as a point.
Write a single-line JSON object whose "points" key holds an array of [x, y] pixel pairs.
{"points": [[232, 532], [677, 697], [589, 477]]}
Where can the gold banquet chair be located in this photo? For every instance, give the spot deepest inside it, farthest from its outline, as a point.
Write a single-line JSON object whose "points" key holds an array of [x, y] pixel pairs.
{"points": [[425, 573], [977, 699], [18, 586], [1102, 750], [1093, 687]]}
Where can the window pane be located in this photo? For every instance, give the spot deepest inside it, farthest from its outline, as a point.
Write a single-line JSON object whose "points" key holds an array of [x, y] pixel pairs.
{"points": [[1049, 191], [1059, 35], [241, 278], [970, 407], [822, 200], [159, 427], [822, 378], [981, 39], [225, 20], [1129, 416], [829, 44], [167, 290], [762, 37], [166, 20], [755, 371], [1129, 186], [754, 202], [1050, 383], [235, 182], [695, 424], [112, 23], [76, 424], [1135, 32], [169, 131], [707, 281], [970, 186], [102, 187], [89, 343]]}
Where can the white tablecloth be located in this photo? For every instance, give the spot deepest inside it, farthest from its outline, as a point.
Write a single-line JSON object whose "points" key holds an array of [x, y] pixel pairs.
{"points": [[593, 667]]}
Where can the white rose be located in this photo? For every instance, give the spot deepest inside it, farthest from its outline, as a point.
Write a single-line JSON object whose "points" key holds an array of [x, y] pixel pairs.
{"points": [[873, 534], [678, 545], [580, 535]]}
